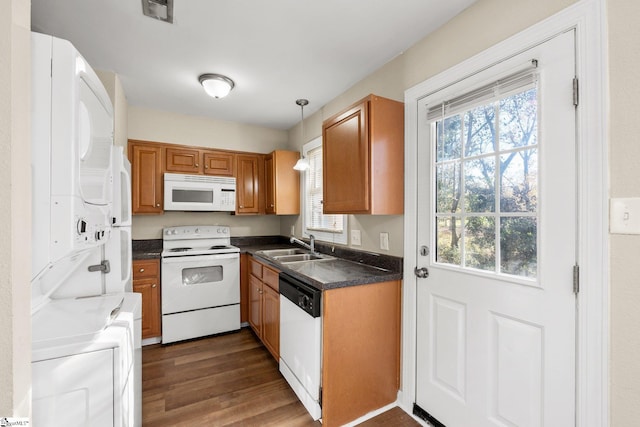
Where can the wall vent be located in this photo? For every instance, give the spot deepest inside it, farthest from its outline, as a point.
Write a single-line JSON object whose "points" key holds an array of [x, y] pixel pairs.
{"points": [[158, 9]]}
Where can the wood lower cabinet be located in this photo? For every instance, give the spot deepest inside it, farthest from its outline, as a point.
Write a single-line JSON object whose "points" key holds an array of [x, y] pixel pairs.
{"points": [[282, 183], [146, 177], [249, 170], [264, 305], [363, 159], [361, 327], [146, 281]]}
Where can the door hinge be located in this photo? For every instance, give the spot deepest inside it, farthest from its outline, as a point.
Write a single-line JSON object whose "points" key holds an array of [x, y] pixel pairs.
{"points": [[576, 92], [576, 279]]}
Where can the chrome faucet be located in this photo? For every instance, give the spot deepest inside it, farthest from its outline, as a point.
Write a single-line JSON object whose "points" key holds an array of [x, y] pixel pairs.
{"points": [[311, 246]]}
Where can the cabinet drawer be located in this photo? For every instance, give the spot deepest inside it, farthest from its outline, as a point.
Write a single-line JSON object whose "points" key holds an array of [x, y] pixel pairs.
{"points": [[146, 269], [255, 268], [270, 277]]}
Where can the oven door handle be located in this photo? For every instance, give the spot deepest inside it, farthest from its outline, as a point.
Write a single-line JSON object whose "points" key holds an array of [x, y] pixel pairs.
{"points": [[189, 259]]}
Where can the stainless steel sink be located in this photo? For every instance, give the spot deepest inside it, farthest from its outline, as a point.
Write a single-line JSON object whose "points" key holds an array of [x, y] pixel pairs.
{"points": [[282, 252], [288, 256], [296, 258]]}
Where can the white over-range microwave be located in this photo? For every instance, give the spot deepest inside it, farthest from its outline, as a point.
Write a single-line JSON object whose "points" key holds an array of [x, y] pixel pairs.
{"points": [[199, 193]]}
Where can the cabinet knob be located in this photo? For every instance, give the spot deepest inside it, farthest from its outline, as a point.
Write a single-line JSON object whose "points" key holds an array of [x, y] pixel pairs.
{"points": [[206, 166], [153, 286], [241, 207], [142, 270], [196, 165], [157, 205], [271, 205]]}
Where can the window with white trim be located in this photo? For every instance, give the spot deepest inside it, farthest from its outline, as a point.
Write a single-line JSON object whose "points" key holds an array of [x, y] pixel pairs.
{"points": [[328, 228]]}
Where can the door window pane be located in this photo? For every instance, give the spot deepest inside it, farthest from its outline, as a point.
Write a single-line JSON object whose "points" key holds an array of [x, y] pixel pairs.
{"points": [[519, 246], [480, 130], [480, 243], [448, 232], [479, 185], [518, 181], [518, 120], [448, 187], [449, 138]]}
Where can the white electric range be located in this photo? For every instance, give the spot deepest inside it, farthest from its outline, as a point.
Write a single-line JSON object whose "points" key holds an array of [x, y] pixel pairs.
{"points": [[200, 282]]}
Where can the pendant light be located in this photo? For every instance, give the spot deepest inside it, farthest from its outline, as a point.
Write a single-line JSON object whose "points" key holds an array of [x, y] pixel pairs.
{"points": [[302, 164]]}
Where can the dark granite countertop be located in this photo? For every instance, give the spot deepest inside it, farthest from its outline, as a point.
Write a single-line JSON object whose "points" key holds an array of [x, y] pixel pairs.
{"points": [[146, 249], [348, 268]]}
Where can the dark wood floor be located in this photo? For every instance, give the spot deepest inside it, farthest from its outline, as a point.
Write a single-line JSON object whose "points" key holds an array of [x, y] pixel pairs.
{"points": [[228, 380]]}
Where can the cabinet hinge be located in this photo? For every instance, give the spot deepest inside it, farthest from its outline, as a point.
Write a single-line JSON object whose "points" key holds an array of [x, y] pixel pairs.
{"points": [[576, 279], [576, 92]]}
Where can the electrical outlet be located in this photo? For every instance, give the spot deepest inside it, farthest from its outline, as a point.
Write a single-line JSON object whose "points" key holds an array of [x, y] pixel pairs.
{"points": [[293, 230], [356, 238], [384, 241]]}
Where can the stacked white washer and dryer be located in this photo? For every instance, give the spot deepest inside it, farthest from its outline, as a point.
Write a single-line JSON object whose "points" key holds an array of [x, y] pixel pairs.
{"points": [[86, 324]]}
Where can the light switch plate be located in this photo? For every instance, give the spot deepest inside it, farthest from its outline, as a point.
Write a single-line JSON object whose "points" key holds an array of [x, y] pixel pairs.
{"points": [[624, 215], [384, 241], [356, 238]]}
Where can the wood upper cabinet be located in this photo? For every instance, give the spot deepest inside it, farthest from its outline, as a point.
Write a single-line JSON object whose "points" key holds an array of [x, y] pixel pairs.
{"points": [[264, 305], [146, 177], [249, 169], [219, 163], [282, 183], [195, 161], [146, 281], [363, 158], [182, 160]]}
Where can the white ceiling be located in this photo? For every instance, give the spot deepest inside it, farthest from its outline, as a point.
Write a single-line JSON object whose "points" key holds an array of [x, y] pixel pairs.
{"points": [[276, 51]]}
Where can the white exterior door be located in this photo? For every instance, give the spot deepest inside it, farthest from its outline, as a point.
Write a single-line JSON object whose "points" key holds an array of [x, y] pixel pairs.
{"points": [[497, 232]]}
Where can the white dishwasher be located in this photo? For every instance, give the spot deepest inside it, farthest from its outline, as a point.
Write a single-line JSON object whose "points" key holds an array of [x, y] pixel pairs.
{"points": [[301, 340]]}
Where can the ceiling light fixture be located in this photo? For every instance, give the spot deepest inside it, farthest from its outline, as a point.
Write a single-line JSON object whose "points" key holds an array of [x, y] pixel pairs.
{"points": [[216, 85], [302, 164]]}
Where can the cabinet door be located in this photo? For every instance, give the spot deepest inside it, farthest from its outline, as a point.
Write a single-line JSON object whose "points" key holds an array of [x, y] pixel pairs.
{"points": [[183, 160], [150, 290], [269, 184], [255, 305], [271, 320], [218, 163], [346, 162], [146, 178], [248, 183], [146, 269]]}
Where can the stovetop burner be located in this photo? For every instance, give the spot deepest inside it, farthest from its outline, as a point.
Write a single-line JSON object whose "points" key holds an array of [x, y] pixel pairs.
{"points": [[180, 249], [219, 247]]}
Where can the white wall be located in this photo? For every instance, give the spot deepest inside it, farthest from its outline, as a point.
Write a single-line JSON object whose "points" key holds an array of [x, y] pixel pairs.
{"points": [[162, 126], [15, 209]]}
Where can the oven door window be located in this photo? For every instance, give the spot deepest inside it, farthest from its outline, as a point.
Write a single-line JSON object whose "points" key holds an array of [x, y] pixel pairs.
{"points": [[200, 275], [192, 196]]}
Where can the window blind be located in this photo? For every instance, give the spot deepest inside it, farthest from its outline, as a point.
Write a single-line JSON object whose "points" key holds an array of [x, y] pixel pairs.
{"points": [[316, 220], [505, 86]]}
